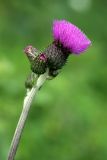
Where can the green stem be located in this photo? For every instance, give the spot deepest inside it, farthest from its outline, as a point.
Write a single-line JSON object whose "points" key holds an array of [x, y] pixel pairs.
{"points": [[23, 117]]}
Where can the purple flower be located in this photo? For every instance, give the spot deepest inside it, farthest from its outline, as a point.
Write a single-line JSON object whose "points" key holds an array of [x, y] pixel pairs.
{"points": [[70, 36], [67, 39]]}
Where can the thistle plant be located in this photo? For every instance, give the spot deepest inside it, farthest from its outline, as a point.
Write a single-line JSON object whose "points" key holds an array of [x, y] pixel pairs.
{"points": [[67, 39]]}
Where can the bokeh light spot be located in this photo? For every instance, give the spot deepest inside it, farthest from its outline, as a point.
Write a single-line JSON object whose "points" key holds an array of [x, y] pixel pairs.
{"points": [[80, 5]]}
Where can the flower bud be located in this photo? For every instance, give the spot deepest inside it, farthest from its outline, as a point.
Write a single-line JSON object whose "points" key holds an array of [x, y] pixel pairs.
{"points": [[39, 64], [31, 52]]}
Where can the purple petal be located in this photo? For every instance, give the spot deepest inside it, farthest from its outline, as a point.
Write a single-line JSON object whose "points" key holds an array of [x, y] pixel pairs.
{"points": [[70, 36]]}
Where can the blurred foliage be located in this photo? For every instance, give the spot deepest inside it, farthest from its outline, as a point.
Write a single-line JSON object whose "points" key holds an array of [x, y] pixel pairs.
{"points": [[68, 119]]}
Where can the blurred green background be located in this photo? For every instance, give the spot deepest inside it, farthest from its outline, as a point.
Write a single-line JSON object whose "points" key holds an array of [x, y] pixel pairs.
{"points": [[68, 118]]}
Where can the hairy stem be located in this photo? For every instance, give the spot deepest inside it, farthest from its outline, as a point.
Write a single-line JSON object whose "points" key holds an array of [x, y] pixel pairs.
{"points": [[23, 117]]}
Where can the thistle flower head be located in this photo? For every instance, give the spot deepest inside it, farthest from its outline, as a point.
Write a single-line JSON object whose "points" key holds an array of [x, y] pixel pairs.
{"points": [[70, 36], [67, 39]]}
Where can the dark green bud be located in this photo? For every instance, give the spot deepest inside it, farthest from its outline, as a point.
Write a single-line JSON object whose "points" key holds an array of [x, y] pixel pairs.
{"points": [[39, 64]]}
